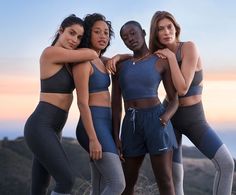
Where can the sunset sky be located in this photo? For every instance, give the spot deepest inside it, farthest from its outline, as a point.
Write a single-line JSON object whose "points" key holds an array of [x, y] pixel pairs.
{"points": [[27, 27]]}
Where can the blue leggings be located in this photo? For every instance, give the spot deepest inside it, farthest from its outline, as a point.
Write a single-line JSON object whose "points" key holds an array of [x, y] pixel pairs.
{"points": [[42, 133], [191, 122], [107, 173]]}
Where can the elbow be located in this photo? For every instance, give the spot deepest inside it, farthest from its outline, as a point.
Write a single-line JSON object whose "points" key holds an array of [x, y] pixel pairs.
{"points": [[174, 100], [81, 105], [182, 91]]}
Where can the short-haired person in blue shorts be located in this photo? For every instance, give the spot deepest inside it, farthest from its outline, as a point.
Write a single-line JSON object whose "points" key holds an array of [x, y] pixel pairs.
{"points": [[146, 127]]}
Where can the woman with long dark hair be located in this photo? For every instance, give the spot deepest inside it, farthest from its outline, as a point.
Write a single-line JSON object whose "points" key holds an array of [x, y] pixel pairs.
{"points": [[44, 127]]}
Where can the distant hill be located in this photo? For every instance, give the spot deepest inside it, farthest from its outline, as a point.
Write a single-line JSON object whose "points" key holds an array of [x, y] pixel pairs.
{"points": [[15, 170]]}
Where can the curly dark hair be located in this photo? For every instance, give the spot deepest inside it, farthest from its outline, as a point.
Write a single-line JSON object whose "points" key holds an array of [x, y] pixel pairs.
{"points": [[89, 21]]}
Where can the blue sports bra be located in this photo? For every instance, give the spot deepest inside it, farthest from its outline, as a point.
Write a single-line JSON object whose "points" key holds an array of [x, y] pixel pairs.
{"points": [[61, 82], [140, 80], [195, 87], [98, 81]]}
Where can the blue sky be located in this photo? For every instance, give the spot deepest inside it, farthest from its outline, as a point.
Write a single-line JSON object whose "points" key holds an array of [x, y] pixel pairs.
{"points": [[27, 27]]}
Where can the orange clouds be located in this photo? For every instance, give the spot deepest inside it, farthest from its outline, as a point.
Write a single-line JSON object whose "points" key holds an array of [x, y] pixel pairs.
{"points": [[19, 97]]}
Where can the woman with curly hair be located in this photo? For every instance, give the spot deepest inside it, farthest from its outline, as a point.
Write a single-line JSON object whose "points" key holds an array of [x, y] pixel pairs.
{"points": [[94, 129]]}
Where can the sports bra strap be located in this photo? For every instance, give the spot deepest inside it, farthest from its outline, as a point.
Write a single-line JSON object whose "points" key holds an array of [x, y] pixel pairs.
{"points": [[178, 53]]}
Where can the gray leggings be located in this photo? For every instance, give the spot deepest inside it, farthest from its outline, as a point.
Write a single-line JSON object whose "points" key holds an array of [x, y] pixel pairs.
{"points": [[107, 175], [190, 121]]}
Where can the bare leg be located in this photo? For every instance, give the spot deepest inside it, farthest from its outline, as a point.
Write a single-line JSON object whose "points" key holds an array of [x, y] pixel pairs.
{"points": [[131, 168], [162, 168]]}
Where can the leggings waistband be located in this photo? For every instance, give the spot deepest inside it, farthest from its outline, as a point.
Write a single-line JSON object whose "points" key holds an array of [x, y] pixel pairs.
{"points": [[101, 111]]}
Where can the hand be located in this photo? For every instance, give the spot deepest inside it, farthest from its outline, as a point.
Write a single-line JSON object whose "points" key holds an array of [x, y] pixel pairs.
{"points": [[119, 148], [111, 64], [160, 55], [164, 53], [163, 121], [95, 150]]}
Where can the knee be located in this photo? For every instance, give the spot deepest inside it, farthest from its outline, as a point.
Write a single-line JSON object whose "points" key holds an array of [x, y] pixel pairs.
{"points": [[177, 155], [122, 184], [223, 160], [118, 186], [177, 172], [40, 187], [166, 185], [228, 164], [165, 182], [66, 185], [69, 182]]}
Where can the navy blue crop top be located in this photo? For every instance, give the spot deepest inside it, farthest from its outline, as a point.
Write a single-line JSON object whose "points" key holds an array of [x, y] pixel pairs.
{"points": [[195, 87], [61, 82], [98, 81], [140, 80]]}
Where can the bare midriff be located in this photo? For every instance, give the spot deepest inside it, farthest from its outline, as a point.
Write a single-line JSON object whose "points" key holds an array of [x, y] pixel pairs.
{"points": [[100, 99], [142, 103], [60, 100], [191, 100]]}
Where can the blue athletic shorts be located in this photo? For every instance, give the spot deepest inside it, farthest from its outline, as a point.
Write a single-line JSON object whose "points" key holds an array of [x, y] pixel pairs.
{"points": [[143, 133]]}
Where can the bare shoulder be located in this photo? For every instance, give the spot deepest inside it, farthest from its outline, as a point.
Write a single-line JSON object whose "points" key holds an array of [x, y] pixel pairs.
{"points": [[45, 55], [162, 62], [49, 51], [189, 45], [162, 65], [190, 48], [81, 70], [81, 65]]}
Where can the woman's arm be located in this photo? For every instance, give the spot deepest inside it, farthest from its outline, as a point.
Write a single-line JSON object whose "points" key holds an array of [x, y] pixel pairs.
{"points": [[182, 77], [81, 73], [59, 55], [111, 62], [171, 94], [116, 104]]}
